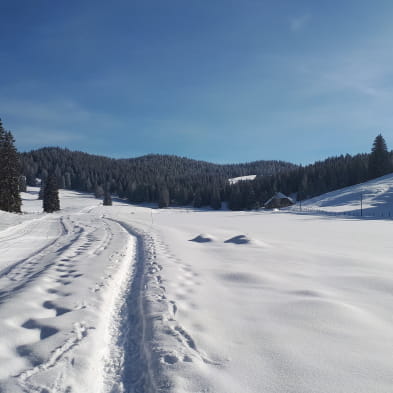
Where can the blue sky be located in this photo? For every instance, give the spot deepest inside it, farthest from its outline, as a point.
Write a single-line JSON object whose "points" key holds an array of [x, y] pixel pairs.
{"points": [[223, 81]]}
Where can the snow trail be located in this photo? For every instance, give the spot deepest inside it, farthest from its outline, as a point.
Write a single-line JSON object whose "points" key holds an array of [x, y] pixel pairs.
{"points": [[59, 281], [132, 371]]}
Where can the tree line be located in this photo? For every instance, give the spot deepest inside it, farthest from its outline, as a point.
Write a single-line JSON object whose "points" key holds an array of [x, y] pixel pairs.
{"points": [[171, 180], [162, 179]]}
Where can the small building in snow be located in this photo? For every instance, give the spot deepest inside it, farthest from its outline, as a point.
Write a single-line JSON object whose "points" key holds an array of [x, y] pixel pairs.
{"points": [[278, 200]]}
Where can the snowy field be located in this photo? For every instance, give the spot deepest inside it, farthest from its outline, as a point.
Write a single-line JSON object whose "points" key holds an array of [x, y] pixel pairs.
{"points": [[133, 299]]}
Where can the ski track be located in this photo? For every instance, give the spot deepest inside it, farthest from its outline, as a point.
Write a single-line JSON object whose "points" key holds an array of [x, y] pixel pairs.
{"points": [[19, 230], [25, 271], [133, 372]]}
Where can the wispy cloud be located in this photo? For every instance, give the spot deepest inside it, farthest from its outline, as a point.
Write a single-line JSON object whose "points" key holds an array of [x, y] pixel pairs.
{"points": [[32, 136], [54, 111], [365, 73], [299, 22], [54, 122]]}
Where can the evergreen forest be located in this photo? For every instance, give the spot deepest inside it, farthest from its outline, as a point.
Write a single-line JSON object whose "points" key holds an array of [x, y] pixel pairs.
{"points": [[168, 180]]}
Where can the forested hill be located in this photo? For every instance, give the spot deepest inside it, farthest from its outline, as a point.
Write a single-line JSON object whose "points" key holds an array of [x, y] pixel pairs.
{"points": [[177, 180], [315, 179]]}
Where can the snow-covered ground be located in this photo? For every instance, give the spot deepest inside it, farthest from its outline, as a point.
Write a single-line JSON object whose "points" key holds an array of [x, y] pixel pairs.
{"points": [[376, 196], [133, 299]]}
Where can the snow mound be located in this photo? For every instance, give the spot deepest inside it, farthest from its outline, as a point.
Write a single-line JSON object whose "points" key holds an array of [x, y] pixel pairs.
{"points": [[202, 238], [239, 239], [240, 278]]}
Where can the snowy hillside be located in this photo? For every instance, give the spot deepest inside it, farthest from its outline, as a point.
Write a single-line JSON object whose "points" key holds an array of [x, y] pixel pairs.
{"points": [[377, 198], [126, 298]]}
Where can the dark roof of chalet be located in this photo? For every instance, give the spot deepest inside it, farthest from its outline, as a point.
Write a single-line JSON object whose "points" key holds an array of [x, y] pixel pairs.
{"points": [[279, 195]]}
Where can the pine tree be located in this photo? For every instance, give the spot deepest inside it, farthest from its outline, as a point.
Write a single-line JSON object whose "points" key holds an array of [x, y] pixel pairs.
{"points": [[379, 161], [67, 180], [51, 201], [9, 173], [163, 200], [62, 182], [197, 199], [120, 191], [251, 198], [22, 184], [107, 199], [215, 201], [41, 192], [235, 198]]}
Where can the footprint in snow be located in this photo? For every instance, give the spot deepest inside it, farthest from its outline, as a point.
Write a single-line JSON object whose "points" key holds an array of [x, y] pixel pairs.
{"points": [[59, 310], [45, 331]]}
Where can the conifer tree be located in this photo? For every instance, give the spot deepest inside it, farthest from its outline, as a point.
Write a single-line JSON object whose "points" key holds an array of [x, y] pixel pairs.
{"points": [[379, 161], [67, 180], [22, 184], [197, 199], [62, 182], [41, 192], [235, 198], [120, 191], [51, 202], [107, 199], [163, 200], [215, 201], [251, 198], [9, 173]]}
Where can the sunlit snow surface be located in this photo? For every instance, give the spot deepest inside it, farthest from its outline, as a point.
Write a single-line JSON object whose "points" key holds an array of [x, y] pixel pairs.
{"points": [[126, 299], [376, 197], [234, 180]]}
